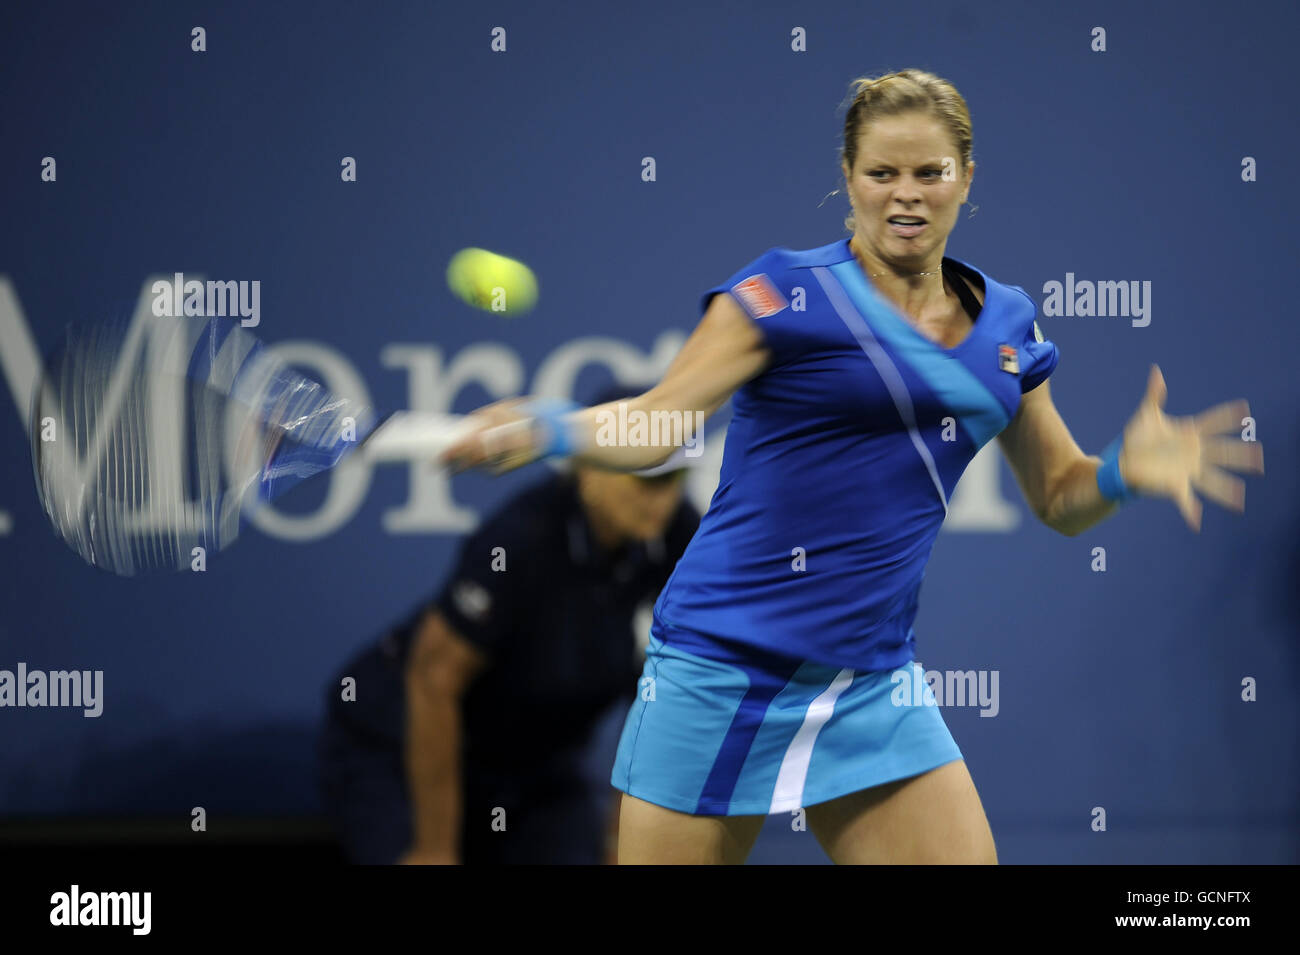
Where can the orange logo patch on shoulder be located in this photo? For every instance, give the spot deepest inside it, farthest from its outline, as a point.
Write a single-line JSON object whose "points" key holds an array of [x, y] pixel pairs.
{"points": [[760, 296], [1008, 360]]}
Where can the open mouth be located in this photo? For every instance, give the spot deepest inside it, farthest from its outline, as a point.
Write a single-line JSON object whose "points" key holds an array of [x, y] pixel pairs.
{"points": [[906, 226]]}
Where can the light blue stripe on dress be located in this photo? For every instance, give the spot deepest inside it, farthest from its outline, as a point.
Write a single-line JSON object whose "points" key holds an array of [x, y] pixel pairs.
{"points": [[884, 366], [954, 383]]}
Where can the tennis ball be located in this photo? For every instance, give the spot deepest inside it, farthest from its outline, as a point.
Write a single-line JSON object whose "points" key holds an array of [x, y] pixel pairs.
{"points": [[492, 282]]}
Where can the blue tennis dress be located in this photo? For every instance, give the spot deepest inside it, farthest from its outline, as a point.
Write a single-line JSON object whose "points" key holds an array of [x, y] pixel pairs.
{"points": [[774, 677]]}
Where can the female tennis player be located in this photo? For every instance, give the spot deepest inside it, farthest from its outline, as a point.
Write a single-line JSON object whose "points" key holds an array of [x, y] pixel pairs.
{"points": [[865, 376]]}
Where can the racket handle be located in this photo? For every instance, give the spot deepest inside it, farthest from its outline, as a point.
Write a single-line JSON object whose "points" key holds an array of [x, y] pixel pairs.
{"points": [[409, 435]]}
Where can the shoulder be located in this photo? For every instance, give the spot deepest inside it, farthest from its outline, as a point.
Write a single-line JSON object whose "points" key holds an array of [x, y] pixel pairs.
{"points": [[780, 259], [1013, 316], [765, 284], [1009, 303], [783, 259]]}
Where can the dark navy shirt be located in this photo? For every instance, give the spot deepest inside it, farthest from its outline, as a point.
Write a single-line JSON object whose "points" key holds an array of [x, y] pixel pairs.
{"points": [[553, 613]]}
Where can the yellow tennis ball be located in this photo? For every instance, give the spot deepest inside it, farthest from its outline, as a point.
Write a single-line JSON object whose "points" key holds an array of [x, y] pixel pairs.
{"points": [[492, 282]]}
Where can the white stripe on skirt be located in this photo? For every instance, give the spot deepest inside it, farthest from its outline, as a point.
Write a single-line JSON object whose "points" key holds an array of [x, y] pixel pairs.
{"points": [[788, 792]]}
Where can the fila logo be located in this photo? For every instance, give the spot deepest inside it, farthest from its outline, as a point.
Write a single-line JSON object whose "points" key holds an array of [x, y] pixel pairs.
{"points": [[759, 296], [1008, 360]]}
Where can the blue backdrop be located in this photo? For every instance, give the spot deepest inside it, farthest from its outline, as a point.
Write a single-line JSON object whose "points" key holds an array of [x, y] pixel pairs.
{"points": [[1119, 689]]}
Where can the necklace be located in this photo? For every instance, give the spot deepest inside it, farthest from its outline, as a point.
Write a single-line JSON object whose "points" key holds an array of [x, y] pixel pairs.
{"points": [[876, 275]]}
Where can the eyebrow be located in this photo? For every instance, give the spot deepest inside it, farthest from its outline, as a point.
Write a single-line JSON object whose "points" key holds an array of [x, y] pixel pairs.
{"points": [[881, 162]]}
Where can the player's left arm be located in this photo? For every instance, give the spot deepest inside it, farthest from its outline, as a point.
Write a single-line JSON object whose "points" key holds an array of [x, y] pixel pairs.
{"points": [[1057, 479], [1161, 456]]}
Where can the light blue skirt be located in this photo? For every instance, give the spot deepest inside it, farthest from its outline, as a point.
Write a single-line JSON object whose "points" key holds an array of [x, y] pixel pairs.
{"points": [[723, 730]]}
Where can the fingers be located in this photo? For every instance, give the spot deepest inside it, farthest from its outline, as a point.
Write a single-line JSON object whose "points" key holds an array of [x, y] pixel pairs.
{"points": [[501, 439], [1221, 487], [1156, 390], [509, 446], [1189, 507], [1233, 453], [500, 412], [489, 416], [498, 448], [1223, 417], [459, 454]]}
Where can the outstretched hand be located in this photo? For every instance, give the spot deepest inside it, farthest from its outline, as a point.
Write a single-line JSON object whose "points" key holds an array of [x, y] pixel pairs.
{"points": [[1171, 457], [502, 439]]}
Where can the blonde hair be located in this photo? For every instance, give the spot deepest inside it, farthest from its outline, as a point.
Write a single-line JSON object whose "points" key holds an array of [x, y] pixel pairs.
{"points": [[905, 91]]}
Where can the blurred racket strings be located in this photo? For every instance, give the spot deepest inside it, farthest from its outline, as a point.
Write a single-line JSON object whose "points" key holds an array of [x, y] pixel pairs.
{"points": [[154, 435]]}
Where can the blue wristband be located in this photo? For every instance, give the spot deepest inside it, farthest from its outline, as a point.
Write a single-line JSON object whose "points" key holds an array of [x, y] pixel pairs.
{"points": [[1109, 481], [551, 412]]}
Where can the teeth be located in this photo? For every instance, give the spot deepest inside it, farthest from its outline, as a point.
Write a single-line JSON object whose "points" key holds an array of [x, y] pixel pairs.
{"points": [[906, 221]]}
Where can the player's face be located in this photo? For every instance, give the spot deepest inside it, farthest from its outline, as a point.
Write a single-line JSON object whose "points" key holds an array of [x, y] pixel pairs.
{"points": [[900, 170], [634, 508]]}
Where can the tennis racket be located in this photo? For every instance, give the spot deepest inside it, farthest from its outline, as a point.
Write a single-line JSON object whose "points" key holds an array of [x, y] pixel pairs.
{"points": [[158, 435]]}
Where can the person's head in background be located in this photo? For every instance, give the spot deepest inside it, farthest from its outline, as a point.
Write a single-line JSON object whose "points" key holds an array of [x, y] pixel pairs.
{"points": [[630, 506]]}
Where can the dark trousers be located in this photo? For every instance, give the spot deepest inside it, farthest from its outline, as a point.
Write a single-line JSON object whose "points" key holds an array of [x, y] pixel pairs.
{"points": [[365, 792]]}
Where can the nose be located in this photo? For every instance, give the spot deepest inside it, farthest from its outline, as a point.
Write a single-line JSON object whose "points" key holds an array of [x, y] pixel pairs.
{"points": [[908, 193]]}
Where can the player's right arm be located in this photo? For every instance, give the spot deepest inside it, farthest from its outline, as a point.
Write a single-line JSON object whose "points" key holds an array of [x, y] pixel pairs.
{"points": [[439, 669], [726, 350]]}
